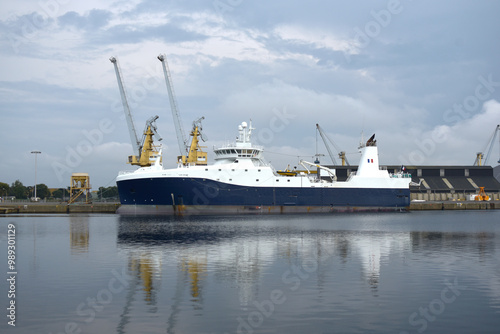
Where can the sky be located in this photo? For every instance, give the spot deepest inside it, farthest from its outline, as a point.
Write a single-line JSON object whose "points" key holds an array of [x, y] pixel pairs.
{"points": [[422, 75]]}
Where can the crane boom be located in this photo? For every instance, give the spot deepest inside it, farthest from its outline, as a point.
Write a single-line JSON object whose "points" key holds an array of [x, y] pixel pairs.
{"points": [[323, 136], [136, 144], [492, 143], [479, 156], [151, 123], [329, 171], [326, 139], [181, 137], [197, 124]]}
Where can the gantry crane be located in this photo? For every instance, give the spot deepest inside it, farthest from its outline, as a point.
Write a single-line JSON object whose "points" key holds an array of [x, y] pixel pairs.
{"points": [[489, 147], [189, 154], [144, 150], [326, 139]]}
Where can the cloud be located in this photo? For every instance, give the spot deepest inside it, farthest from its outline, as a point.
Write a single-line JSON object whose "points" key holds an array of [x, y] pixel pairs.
{"points": [[318, 38], [95, 19], [455, 144], [254, 61]]}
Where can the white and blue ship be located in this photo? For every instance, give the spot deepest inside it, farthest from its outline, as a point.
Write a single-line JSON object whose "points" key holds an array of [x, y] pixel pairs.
{"points": [[241, 181]]}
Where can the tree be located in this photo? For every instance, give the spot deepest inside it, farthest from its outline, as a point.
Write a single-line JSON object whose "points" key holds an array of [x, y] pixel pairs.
{"points": [[42, 191], [18, 190], [61, 193], [109, 192], [4, 189]]}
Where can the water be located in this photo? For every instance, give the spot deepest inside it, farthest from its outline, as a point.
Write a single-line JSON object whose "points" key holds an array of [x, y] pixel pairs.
{"points": [[416, 272]]}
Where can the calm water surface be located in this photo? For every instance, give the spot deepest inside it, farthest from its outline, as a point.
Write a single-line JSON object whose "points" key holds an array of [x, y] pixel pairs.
{"points": [[419, 272]]}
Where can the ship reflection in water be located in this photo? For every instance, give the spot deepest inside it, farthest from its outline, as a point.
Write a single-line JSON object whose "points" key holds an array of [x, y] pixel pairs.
{"points": [[242, 275], [429, 272]]}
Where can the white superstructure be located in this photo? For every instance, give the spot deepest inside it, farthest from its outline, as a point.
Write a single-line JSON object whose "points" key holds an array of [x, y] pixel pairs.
{"points": [[242, 163]]}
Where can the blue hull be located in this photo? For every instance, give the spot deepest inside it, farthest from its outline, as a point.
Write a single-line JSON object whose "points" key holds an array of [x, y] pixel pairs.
{"points": [[197, 192]]}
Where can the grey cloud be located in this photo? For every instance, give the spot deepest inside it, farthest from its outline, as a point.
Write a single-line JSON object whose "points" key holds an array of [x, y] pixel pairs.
{"points": [[92, 20], [129, 34], [94, 25]]}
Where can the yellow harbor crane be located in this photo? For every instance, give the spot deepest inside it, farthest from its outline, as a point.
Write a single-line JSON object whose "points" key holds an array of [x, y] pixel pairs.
{"points": [[145, 151], [189, 154]]}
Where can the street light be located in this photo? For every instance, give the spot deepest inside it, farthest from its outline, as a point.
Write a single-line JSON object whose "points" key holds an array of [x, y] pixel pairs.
{"points": [[35, 153]]}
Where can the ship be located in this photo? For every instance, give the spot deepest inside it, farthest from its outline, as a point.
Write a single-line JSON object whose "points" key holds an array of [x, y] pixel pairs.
{"points": [[241, 181]]}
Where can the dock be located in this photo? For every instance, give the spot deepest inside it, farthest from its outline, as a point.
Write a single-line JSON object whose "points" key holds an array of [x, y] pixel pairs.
{"points": [[111, 208], [50, 208], [454, 205]]}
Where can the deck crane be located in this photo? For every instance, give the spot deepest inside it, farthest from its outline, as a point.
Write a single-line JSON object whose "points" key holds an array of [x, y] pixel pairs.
{"points": [[195, 154], [326, 139], [189, 154], [149, 151], [144, 150], [489, 147]]}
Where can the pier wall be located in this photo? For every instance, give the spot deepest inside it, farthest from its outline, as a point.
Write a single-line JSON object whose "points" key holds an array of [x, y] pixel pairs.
{"points": [[476, 205], [438, 202], [43, 208]]}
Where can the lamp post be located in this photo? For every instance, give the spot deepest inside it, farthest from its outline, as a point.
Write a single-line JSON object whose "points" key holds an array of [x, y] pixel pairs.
{"points": [[35, 153]]}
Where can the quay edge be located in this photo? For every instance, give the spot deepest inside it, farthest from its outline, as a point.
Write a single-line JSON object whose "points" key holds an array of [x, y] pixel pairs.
{"points": [[452, 205], [43, 208], [113, 208]]}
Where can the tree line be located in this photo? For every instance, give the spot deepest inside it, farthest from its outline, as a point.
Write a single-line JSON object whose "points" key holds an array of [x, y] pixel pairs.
{"points": [[20, 191]]}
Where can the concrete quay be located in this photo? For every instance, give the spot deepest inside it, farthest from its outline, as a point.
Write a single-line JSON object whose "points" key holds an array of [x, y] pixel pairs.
{"points": [[62, 208], [454, 205], [42, 208]]}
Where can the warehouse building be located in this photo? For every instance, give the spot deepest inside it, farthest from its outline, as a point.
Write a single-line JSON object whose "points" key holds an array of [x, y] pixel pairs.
{"points": [[442, 182]]}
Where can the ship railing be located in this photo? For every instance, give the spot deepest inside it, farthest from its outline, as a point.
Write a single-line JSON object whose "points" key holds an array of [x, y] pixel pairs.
{"points": [[125, 172], [235, 145], [401, 175]]}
